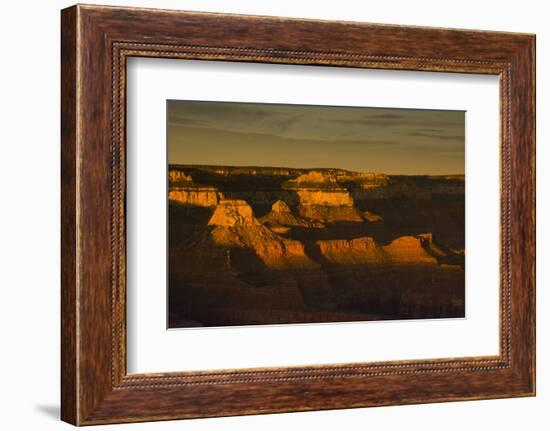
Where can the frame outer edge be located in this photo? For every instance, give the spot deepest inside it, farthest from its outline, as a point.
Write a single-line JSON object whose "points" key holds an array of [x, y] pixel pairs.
{"points": [[69, 195], [523, 216], [87, 397], [533, 53], [532, 101], [529, 253]]}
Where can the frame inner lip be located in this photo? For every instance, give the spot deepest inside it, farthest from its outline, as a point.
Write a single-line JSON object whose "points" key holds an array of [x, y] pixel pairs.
{"points": [[124, 49]]}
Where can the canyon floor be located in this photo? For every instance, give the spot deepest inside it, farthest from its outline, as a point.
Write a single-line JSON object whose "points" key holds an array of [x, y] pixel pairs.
{"points": [[261, 245]]}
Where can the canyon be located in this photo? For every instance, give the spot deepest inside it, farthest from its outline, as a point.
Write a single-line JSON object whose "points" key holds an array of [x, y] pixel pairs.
{"points": [[275, 245]]}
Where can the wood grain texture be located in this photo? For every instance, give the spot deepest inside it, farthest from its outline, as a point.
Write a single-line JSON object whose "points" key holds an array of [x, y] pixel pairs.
{"points": [[96, 41], [69, 397]]}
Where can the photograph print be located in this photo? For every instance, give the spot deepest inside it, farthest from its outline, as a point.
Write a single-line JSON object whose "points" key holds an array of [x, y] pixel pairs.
{"points": [[293, 214]]}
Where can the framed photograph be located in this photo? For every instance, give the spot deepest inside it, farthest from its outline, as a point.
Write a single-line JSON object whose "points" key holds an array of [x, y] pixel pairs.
{"points": [[264, 214], [279, 223]]}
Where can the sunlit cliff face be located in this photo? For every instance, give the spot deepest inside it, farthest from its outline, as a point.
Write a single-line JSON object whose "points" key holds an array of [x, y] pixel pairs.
{"points": [[300, 198]]}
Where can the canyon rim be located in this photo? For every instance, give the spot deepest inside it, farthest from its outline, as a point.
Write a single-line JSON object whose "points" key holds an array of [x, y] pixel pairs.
{"points": [[281, 214]]}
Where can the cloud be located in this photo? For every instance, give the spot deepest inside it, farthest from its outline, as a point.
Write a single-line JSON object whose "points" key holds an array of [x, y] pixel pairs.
{"points": [[185, 122], [439, 136], [405, 134], [428, 130], [388, 116]]}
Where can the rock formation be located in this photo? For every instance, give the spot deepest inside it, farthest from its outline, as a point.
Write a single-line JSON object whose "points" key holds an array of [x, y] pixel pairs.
{"points": [[236, 226], [230, 213], [358, 251], [202, 197], [279, 245], [406, 250], [330, 213], [371, 217], [185, 191], [319, 188], [175, 177], [323, 197], [282, 217], [280, 207]]}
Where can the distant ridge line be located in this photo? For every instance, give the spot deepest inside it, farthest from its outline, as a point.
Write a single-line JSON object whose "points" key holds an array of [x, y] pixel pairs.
{"points": [[303, 170]]}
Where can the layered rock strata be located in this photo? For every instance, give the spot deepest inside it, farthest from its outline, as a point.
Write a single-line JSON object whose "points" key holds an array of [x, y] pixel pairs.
{"points": [[236, 226], [253, 245]]}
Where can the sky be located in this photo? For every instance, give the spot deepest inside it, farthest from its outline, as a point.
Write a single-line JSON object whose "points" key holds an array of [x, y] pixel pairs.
{"points": [[363, 139]]}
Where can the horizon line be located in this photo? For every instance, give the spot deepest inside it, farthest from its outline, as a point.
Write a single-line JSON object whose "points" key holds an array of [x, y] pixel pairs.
{"points": [[313, 168]]}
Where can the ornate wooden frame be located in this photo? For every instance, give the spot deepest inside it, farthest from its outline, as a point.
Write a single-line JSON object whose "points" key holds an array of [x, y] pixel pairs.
{"points": [[96, 41]]}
